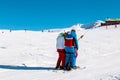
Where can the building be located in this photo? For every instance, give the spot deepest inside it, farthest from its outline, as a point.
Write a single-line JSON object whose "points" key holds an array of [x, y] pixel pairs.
{"points": [[111, 21]]}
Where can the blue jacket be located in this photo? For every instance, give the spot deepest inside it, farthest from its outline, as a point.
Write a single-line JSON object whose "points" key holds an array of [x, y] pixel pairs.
{"points": [[71, 49]]}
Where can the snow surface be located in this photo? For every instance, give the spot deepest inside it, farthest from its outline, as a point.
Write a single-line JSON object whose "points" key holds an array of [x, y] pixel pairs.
{"points": [[32, 55], [92, 24]]}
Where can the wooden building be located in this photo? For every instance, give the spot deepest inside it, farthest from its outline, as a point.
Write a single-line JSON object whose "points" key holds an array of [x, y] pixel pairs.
{"points": [[111, 21]]}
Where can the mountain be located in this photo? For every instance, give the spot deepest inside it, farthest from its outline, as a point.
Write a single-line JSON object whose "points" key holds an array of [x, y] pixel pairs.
{"points": [[92, 24], [79, 26], [76, 27], [87, 26]]}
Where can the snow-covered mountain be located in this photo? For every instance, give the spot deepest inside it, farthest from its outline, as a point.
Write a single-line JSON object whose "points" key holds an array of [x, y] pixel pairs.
{"points": [[32, 55], [79, 27], [92, 25], [95, 24]]}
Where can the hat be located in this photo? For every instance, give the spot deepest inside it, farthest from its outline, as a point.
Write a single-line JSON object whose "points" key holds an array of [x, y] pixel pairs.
{"points": [[73, 30], [61, 34]]}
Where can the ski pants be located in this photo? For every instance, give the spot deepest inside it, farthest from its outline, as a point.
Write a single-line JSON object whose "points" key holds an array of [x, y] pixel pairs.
{"points": [[61, 59], [70, 58]]}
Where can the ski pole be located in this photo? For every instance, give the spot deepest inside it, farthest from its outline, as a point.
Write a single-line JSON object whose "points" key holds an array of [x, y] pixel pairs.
{"points": [[86, 32]]}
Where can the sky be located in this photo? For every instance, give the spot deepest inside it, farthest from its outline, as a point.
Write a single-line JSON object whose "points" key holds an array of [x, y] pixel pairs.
{"points": [[47, 14]]}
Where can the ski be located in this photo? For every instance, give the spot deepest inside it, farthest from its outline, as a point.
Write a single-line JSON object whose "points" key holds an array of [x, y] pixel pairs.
{"points": [[69, 70]]}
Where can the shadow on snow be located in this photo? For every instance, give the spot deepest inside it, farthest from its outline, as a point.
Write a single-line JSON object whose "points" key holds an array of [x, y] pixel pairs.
{"points": [[25, 67]]}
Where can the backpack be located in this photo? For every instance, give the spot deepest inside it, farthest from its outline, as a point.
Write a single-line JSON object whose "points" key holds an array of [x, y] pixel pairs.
{"points": [[69, 40]]}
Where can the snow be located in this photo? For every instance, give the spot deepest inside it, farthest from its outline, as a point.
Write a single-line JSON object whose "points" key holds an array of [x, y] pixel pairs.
{"points": [[92, 24], [32, 55]]}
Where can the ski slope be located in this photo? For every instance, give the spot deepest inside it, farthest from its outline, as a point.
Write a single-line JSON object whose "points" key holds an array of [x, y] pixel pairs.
{"points": [[32, 55]]}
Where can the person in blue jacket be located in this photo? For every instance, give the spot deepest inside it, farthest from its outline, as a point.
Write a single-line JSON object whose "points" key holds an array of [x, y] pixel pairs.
{"points": [[71, 45]]}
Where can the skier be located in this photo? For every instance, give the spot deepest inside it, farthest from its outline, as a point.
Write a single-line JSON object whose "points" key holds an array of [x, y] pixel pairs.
{"points": [[60, 49], [71, 46]]}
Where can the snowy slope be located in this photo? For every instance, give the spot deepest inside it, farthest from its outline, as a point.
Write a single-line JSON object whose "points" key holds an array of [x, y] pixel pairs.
{"points": [[78, 27], [32, 55], [92, 24]]}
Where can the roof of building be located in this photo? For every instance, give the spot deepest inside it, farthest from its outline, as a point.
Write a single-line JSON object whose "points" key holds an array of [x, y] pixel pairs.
{"points": [[113, 19]]}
